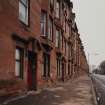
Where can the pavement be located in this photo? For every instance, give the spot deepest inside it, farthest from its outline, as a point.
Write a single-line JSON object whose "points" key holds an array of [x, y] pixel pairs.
{"points": [[75, 92]]}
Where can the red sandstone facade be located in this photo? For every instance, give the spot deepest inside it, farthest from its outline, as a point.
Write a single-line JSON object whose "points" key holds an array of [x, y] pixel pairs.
{"points": [[41, 48]]}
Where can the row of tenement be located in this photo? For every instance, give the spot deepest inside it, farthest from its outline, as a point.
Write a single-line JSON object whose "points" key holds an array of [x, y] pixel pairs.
{"points": [[39, 43]]}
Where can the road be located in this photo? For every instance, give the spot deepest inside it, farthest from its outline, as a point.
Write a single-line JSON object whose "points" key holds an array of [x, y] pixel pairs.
{"points": [[99, 86], [75, 92]]}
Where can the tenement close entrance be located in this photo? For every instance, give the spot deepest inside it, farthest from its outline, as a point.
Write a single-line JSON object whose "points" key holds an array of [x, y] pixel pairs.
{"points": [[32, 67]]}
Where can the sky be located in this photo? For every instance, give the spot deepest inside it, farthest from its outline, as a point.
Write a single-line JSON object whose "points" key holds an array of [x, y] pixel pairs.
{"points": [[90, 19]]}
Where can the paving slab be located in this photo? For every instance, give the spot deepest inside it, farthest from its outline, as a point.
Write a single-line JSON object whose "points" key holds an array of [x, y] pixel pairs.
{"points": [[76, 92]]}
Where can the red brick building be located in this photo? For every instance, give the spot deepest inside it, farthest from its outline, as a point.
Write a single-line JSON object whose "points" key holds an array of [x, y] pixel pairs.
{"points": [[39, 42]]}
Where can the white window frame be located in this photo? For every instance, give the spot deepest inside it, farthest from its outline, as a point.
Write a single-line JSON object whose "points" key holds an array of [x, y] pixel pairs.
{"points": [[19, 63], [50, 35], [57, 43], [57, 9], [23, 17], [43, 23]]}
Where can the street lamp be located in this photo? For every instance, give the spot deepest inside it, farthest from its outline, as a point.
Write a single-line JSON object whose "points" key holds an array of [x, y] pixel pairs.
{"points": [[95, 54]]}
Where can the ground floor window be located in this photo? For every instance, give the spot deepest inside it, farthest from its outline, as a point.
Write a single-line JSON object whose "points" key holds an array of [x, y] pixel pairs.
{"points": [[59, 68], [46, 65], [19, 56], [68, 68]]}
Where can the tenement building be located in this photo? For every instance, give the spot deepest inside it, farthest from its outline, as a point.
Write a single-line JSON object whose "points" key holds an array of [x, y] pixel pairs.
{"points": [[39, 43]]}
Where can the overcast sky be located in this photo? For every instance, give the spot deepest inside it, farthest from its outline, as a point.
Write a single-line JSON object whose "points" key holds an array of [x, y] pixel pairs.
{"points": [[90, 18]]}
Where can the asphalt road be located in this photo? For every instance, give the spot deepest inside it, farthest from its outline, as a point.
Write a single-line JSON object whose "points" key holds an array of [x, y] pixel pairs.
{"points": [[99, 86]]}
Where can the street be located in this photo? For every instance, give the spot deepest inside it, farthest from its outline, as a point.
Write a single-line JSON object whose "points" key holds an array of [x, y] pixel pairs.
{"points": [[76, 92], [99, 85]]}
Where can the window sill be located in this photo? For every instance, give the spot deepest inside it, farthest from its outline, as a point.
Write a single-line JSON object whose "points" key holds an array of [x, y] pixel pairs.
{"points": [[45, 37], [45, 78], [25, 26]]}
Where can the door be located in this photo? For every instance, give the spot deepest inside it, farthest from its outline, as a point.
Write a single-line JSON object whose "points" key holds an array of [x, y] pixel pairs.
{"points": [[32, 74]]}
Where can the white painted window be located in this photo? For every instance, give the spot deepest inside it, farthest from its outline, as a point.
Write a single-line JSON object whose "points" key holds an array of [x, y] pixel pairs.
{"points": [[23, 11], [57, 9], [57, 43], [50, 35], [43, 23], [19, 63]]}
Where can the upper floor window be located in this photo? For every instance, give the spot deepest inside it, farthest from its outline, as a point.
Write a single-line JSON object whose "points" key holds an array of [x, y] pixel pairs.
{"points": [[57, 9], [51, 2], [50, 35], [62, 41], [23, 11], [19, 55], [65, 26], [57, 38], [43, 23]]}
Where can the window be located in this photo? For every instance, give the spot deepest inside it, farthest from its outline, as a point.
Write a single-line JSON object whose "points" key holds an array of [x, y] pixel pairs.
{"points": [[19, 55], [51, 2], [68, 68], [43, 23], [58, 67], [57, 9], [50, 35], [65, 26], [67, 30], [46, 65], [23, 11], [62, 41], [65, 47], [69, 51], [57, 38]]}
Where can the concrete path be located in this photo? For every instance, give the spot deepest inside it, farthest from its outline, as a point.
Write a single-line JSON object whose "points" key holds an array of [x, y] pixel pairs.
{"points": [[78, 92]]}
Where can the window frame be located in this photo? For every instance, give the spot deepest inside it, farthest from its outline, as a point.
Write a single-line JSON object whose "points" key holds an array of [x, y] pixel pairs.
{"points": [[57, 13], [57, 43], [46, 65], [27, 12], [65, 46], [43, 23], [50, 34], [20, 61], [51, 4], [58, 67], [62, 41]]}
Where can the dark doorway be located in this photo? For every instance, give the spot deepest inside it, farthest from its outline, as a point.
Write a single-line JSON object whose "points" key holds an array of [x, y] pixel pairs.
{"points": [[62, 71], [32, 70]]}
